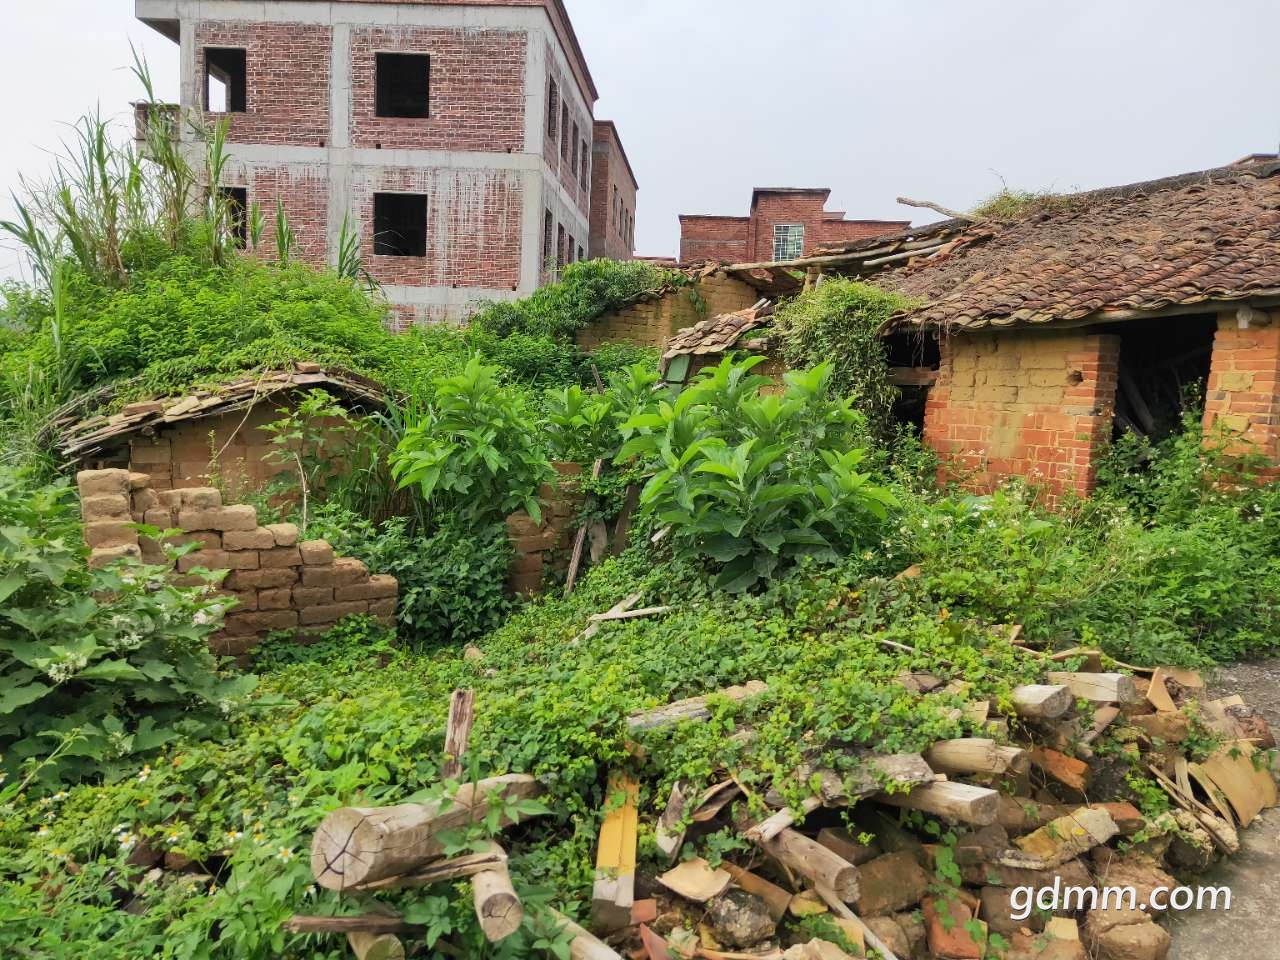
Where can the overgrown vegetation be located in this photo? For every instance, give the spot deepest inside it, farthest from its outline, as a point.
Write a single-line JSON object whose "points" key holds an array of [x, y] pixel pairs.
{"points": [[1020, 204]]}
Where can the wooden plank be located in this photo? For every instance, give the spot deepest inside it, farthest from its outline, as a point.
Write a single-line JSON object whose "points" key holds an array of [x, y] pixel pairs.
{"points": [[694, 708], [841, 909], [669, 833], [976, 755], [1248, 789], [369, 923], [457, 732], [615, 883]]}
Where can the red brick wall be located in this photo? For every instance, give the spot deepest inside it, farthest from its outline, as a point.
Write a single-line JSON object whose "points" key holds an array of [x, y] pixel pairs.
{"points": [[1244, 383], [473, 226], [819, 228], [610, 177], [304, 191], [722, 239], [1034, 404], [289, 69], [477, 90]]}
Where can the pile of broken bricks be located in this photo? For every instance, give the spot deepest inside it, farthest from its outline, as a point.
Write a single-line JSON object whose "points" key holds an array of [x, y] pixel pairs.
{"points": [[914, 856]]}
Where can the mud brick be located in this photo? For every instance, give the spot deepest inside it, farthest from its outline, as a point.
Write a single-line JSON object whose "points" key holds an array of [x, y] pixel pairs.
{"points": [[377, 588], [275, 599], [950, 938], [535, 544], [245, 600], [204, 539], [331, 613], [259, 539], [281, 557], [144, 453], [170, 498], [316, 553], [239, 624], [108, 555], [342, 572], [242, 517], [106, 507], [527, 563], [224, 645], [152, 552], [139, 481], [285, 534], [93, 483], [209, 559], [262, 579], [144, 500], [312, 596], [384, 610], [161, 517], [109, 533], [891, 883], [243, 560], [527, 584], [199, 498]]}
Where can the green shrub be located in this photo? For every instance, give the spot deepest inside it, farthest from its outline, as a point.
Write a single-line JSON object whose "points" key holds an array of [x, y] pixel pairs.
{"points": [[473, 451], [96, 666], [839, 322], [753, 481]]}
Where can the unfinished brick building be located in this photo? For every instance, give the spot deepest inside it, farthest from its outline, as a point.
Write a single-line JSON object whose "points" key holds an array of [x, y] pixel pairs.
{"points": [[784, 223], [454, 135], [613, 196]]}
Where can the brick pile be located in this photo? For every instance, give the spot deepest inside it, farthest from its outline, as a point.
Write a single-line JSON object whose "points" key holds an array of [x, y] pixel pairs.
{"points": [[278, 582]]}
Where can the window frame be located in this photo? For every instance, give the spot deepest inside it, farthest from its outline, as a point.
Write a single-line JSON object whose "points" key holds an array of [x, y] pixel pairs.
{"points": [[790, 234], [236, 83]]}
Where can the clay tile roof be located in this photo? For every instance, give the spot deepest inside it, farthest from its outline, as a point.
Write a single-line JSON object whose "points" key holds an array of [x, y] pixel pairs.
{"points": [[1210, 236], [718, 334], [78, 438]]}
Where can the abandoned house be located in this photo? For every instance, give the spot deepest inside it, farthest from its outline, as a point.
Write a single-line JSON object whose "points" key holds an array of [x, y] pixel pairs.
{"points": [[1034, 342], [457, 138], [210, 434], [784, 223]]}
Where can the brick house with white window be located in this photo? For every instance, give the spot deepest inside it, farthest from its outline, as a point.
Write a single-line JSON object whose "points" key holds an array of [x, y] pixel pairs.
{"points": [[784, 223], [455, 135]]}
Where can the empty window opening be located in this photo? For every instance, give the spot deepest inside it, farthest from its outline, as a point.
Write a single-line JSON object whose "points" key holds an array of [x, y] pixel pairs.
{"points": [[400, 224], [404, 85], [1164, 367], [560, 247], [582, 254], [586, 167], [548, 236], [913, 359], [788, 240], [226, 75], [237, 205], [569, 255], [564, 131], [573, 163], [553, 112]]}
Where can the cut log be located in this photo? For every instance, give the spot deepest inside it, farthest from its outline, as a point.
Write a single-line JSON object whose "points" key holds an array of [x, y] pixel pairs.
{"points": [[457, 732], [976, 755], [1042, 702], [356, 846], [376, 946], [584, 946], [615, 884], [950, 800], [452, 869], [814, 862], [774, 824], [497, 907], [694, 708], [1100, 688]]}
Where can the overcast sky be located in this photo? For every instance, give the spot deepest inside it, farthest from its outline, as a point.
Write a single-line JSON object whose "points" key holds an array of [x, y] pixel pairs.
{"points": [[936, 99]]}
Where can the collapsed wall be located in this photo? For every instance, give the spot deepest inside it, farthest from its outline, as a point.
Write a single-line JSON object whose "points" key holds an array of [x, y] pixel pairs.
{"points": [[277, 581]]}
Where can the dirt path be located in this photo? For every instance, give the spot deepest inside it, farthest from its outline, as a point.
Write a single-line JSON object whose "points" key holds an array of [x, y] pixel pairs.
{"points": [[1250, 930]]}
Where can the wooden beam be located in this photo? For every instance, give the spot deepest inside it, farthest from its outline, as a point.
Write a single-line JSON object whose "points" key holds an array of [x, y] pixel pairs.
{"points": [[954, 801], [453, 869], [375, 946], [1102, 688], [1042, 702], [497, 907], [976, 755], [376, 923], [814, 862], [694, 708]]}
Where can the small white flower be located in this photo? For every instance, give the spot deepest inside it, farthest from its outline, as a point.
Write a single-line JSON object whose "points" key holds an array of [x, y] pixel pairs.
{"points": [[285, 854], [202, 618], [310, 890], [234, 836], [144, 773], [127, 841], [42, 831]]}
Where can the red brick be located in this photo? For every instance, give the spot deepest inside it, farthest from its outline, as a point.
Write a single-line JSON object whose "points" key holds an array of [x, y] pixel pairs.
{"points": [[377, 588]]}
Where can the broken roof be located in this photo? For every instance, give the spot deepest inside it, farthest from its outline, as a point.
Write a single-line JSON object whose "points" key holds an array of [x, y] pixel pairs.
{"points": [[1149, 247], [78, 438], [718, 334]]}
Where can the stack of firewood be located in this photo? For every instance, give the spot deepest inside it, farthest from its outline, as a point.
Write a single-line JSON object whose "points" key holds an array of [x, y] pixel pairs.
{"points": [[1035, 805]]}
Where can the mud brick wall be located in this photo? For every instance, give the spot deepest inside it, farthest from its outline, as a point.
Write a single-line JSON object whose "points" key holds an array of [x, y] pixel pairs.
{"points": [[1244, 383], [1034, 404], [539, 547], [651, 323], [277, 582]]}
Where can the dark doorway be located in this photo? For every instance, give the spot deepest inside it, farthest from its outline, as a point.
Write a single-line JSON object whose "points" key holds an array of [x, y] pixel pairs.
{"points": [[1164, 366], [914, 359]]}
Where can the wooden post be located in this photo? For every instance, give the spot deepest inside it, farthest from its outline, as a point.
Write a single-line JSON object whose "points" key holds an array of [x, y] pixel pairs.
{"points": [[1100, 688], [355, 846], [976, 755], [955, 801], [497, 907], [814, 862], [1042, 702], [376, 946], [458, 732]]}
